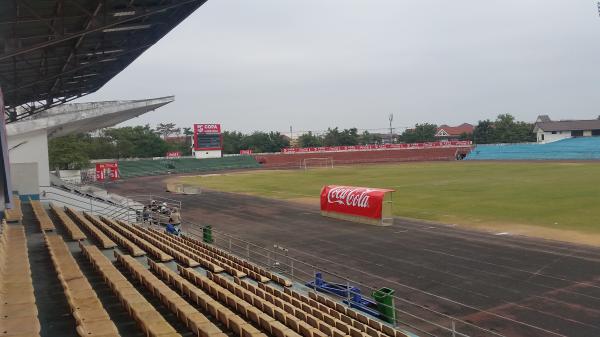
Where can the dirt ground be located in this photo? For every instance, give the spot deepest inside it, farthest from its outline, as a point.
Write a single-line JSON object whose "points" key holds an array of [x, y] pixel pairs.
{"points": [[511, 284]]}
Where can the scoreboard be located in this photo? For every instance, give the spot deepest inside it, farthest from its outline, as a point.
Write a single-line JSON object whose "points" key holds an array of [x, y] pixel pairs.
{"points": [[208, 141]]}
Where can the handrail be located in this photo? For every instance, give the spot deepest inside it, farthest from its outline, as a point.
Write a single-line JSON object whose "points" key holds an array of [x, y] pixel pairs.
{"points": [[101, 207]]}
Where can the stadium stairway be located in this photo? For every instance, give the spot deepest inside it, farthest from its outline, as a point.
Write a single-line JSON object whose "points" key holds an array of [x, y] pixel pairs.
{"points": [[93, 276], [585, 148]]}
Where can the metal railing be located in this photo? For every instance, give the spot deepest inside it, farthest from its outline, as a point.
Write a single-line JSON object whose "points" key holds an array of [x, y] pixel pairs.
{"points": [[89, 204], [410, 316]]}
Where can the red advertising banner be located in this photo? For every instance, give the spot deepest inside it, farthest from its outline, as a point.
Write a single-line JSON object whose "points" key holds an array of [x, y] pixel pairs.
{"points": [[452, 143], [357, 201], [103, 168], [173, 154], [249, 151]]}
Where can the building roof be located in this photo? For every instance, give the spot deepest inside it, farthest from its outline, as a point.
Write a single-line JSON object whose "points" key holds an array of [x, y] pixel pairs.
{"points": [[52, 52], [446, 130], [85, 117], [575, 125]]}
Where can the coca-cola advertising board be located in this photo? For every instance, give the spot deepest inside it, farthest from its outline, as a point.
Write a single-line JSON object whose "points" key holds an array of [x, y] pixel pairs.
{"points": [[357, 201], [451, 143]]}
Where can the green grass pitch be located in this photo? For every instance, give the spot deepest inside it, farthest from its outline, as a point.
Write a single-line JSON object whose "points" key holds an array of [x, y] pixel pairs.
{"points": [[556, 195]]}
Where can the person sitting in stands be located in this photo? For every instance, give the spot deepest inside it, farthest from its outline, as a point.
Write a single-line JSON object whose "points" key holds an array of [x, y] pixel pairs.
{"points": [[170, 229], [175, 218], [145, 215]]}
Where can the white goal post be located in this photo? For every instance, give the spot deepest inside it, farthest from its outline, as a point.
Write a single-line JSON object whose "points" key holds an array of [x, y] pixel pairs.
{"points": [[326, 162]]}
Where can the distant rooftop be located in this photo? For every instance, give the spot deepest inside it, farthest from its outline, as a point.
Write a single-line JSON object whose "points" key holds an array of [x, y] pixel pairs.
{"points": [[544, 123]]}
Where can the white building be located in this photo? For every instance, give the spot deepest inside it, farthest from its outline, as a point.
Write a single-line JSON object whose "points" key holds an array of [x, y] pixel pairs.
{"points": [[547, 130]]}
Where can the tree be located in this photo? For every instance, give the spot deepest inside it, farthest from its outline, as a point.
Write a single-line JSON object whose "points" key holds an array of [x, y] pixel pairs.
{"points": [[483, 133], [505, 129], [420, 133], [188, 131], [68, 153], [232, 142], [165, 129], [310, 140], [335, 137]]}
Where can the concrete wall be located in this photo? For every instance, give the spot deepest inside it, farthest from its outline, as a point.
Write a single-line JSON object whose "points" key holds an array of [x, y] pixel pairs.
{"points": [[24, 177], [207, 154], [31, 147], [549, 137], [70, 176]]}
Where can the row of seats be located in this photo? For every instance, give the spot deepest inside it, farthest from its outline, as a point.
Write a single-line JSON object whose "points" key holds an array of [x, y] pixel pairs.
{"points": [[190, 316], [359, 320], [235, 323], [294, 318], [147, 246], [15, 214], [251, 313], [301, 307], [252, 267], [206, 261], [102, 238], [75, 233], [41, 216], [146, 316], [88, 311], [18, 311], [179, 254], [131, 247], [329, 307]]}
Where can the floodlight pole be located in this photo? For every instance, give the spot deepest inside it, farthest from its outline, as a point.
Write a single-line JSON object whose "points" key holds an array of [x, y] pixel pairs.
{"points": [[391, 118]]}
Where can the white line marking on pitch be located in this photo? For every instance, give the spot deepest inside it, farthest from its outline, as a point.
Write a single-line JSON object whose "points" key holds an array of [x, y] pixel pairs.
{"points": [[503, 233], [403, 231]]}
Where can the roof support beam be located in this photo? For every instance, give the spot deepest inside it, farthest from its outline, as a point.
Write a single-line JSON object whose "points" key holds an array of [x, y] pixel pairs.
{"points": [[68, 37]]}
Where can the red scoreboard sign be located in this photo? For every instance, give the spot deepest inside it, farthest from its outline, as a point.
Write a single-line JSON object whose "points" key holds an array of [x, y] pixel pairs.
{"points": [[207, 137]]}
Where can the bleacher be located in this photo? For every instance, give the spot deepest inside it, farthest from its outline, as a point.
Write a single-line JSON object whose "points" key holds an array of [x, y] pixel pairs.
{"points": [[165, 286], [295, 160], [148, 167], [585, 148]]}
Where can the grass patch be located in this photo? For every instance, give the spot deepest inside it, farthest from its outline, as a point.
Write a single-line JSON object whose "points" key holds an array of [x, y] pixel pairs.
{"points": [[556, 195]]}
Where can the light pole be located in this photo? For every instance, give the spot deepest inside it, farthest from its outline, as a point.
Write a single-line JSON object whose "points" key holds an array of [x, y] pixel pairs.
{"points": [[391, 118]]}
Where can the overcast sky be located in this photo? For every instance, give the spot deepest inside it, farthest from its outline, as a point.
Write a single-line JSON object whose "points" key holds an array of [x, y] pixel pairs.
{"points": [[269, 64]]}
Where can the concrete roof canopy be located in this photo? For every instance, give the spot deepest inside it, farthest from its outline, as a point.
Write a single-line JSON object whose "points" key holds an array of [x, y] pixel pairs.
{"points": [[84, 117]]}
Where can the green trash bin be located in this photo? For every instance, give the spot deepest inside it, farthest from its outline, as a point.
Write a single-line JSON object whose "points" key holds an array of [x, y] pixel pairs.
{"points": [[207, 234], [385, 304]]}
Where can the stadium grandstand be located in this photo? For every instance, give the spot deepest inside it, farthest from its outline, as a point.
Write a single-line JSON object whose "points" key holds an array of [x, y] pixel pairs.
{"points": [[296, 160], [149, 167], [76, 262], [585, 148]]}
